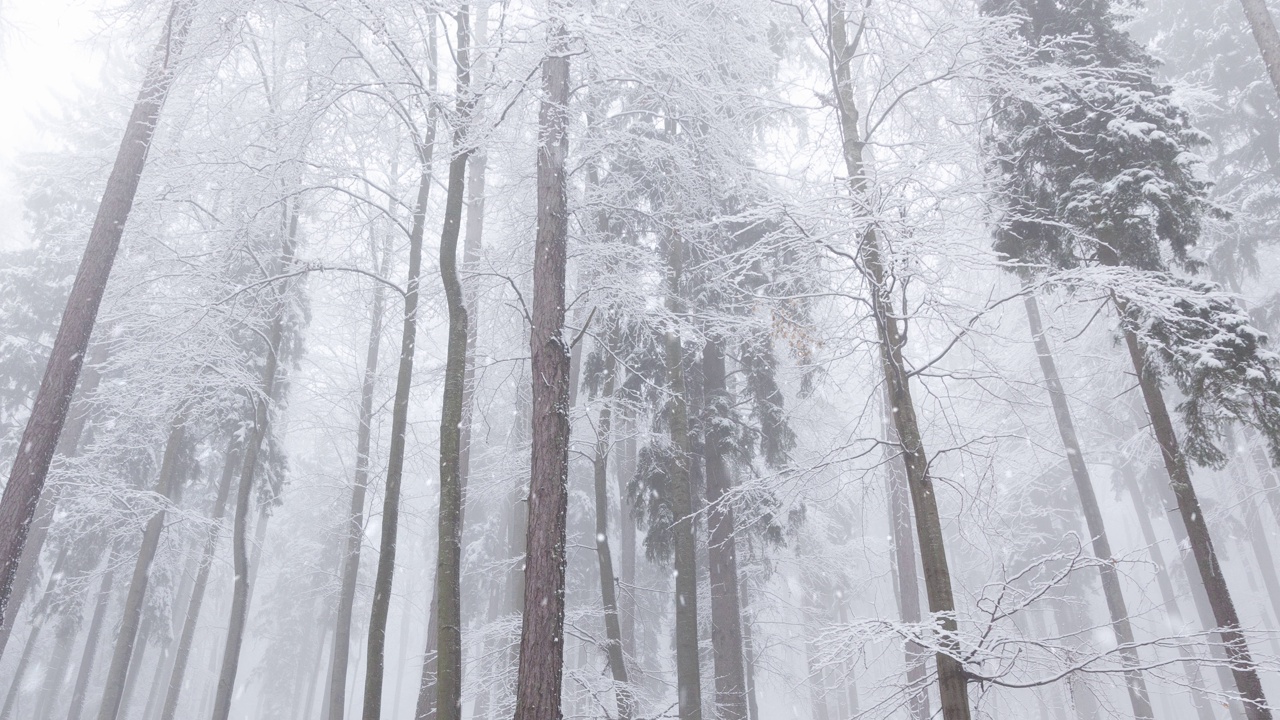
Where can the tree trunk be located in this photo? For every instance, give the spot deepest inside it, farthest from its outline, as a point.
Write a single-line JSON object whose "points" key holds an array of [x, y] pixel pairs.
{"points": [[608, 582], [1204, 708], [688, 672], [49, 411], [51, 688], [905, 577], [126, 636], [449, 547], [337, 685], [952, 681], [1263, 27], [33, 638], [81, 689], [182, 655], [1243, 669], [625, 471], [726, 606], [749, 655], [1139, 700], [542, 632], [244, 492], [68, 445]]}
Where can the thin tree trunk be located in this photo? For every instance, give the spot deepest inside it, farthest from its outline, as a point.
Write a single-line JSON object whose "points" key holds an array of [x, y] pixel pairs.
{"points": [[1139, 700], [337, 685], [33, 638], [182, 655], [449, 547], [1243, 668], [749, 654], [688, 672], [1195, 678], [166, 486], [156, 689], [49, 411], [244, 492], [81, 690], [726, 606], [627, 470], [608, 582], [135, 666], [68, 445], [952, 681], [1263, 27], [541, 635], [56, 675], [426, 708], [907, 582]]}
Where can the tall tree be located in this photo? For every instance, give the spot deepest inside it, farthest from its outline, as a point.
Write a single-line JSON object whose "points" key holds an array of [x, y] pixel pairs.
{"points": [[166, 487], [1092, 209], [1139, 700], [350, 565], [449, 554], [1263, 26], [49, 412], [542, 630], [952, 680]]}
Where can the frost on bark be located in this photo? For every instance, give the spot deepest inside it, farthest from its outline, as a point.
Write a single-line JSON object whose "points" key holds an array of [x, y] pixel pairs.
{"points": [[49, 411], [952, 681], [449, 555], [1263, 27], [542, 631]]}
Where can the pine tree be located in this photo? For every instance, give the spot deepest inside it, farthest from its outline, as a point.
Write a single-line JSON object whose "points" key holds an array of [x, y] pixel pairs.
{"points": [[1097, 171]]}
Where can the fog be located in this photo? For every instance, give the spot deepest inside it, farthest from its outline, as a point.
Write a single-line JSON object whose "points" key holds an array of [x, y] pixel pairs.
{"points": [[736, 359]]}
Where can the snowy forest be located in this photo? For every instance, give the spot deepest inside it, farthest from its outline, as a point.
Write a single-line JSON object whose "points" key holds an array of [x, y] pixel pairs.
{"points": [[641, 359]]}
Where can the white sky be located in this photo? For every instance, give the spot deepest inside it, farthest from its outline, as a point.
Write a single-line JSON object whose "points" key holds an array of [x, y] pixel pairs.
{"points": [[48, 54]]}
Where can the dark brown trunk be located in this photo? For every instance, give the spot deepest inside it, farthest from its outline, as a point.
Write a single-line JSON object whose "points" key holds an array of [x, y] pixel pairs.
{"points": [[542, 631], [953, 687], [337, 686], [1139, 700], [183, 653], [907, 582], [722, 555], [81, 689], [49, 411], [127, 634], [608, 582], [1243, 669]]}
